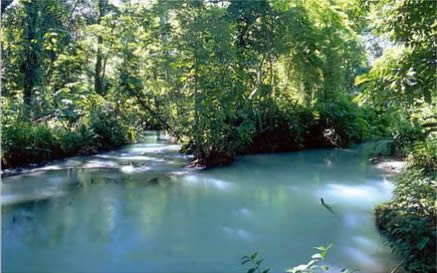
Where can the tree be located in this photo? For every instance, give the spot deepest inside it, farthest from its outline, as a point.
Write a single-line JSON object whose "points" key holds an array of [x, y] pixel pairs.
{"points": [[410, 78], [102, 6]]}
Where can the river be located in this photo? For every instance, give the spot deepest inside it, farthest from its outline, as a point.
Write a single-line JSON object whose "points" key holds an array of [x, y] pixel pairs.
{"points": [[138, 209]]}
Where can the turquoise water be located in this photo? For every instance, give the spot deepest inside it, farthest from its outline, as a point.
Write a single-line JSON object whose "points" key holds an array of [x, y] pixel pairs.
{"points": [[138, 209]]}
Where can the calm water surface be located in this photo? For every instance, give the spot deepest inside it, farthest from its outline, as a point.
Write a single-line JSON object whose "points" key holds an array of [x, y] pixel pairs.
{"points": [[138, 209]]}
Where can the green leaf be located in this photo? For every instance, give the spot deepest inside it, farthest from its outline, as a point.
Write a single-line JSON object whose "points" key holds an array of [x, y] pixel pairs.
{"points": [[317, 256], [251, 270], [253, 256], [421, 245]]}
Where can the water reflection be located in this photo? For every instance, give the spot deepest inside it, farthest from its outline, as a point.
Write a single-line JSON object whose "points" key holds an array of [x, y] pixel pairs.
{"points": [[138, 210]]}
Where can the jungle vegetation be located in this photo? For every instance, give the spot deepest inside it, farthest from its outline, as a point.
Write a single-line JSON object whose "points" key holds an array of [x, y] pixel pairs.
{"points": [[228, 77]]}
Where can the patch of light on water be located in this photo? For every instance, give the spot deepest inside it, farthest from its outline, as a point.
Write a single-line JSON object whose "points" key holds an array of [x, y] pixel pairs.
{"points": [[52, 168], [362, 259], [126, 157], [35, 173], [129, 169], [351, 191], [216, 183], [62, 165], [101, 164], [152, 148], [244, 212], [387, 185], [357, 194], [351, 220], [365, 242], [12, 199], [182, 172], [222, 185], [238, 233], [109, 214]]}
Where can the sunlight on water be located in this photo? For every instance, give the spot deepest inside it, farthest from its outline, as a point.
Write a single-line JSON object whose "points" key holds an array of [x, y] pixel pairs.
{"points": [[238, 233], [139, 209], [366, 243], [208, 182], [244, 212], [356, 195], [362, 259]]}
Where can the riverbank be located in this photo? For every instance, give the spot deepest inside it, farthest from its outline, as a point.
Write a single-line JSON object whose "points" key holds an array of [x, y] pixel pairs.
{"points": [[408, 221]]}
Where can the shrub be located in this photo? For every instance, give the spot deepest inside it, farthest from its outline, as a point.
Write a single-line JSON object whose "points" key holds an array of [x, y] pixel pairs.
{"points": [[24, 143], [80, 141], [109, 130], [424, 156], [405, 134], [283, 129], [409, 220], [340, 122]]}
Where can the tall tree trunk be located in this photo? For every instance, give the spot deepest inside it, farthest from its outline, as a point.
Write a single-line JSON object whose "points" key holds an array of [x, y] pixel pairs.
{"points": [[29, 66], [98, 76], [98, 87]]}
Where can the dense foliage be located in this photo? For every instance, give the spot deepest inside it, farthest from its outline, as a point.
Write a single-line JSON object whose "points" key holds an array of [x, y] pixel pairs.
{"points": [[228, 77], [222, 77], [402, 85], [409, 220]]}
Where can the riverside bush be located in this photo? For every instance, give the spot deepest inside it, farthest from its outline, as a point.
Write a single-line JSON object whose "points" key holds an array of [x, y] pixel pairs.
{"points": [[344, 119], [424, 156], [24, 142], [409, 220]]}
